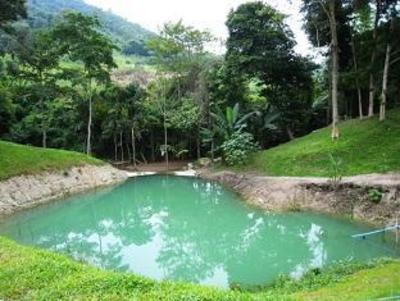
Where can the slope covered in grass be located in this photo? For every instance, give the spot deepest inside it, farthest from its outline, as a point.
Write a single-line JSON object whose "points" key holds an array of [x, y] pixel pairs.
{"points": [[365, 146], [16, 159], [32, 274]]}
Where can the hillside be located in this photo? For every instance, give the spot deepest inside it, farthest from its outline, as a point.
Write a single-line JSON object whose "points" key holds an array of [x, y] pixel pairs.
{"points": [[16, 159], [42, 12], [366, 146]]}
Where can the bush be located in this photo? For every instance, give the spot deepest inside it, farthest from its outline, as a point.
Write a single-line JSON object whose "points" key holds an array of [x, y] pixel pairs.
{"points": [[238, 147], [375, 195]]}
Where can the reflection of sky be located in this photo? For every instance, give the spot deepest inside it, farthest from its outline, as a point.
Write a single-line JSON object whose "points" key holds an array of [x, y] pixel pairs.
{"points": [[313, 239], [188, 229]]}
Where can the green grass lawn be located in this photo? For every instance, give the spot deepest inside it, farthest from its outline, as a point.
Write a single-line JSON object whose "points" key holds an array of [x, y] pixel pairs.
{"points": [[16, 159], [366, 146], [31, 274]]}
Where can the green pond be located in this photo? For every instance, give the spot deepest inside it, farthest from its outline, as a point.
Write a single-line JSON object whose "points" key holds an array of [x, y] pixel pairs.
{"points": [[189, 229]]}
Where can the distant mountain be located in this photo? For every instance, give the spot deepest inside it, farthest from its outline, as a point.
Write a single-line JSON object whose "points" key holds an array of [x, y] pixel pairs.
{"points": [[41, 13]]}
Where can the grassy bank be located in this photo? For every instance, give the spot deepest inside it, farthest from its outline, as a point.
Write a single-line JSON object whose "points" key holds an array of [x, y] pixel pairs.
{"points": [[366, 146], [16, 159], [32, 274]]}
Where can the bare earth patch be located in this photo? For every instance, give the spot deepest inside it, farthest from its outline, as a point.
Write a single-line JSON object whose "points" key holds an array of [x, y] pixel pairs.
{"points": [[352, 196]]}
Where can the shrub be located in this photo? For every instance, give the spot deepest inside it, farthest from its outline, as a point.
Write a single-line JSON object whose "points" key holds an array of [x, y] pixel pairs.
{"points": [[375, 195], [238, 147]]}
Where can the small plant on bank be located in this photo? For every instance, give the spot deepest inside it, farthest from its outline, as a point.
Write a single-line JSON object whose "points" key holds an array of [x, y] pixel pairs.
{"points": [[294, 206], [375, 195], [336, 170], [238, 147]]}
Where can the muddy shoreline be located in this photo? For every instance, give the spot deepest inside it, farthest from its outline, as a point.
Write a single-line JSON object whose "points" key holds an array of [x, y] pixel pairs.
{"points": [[28, 191], [372, 199]]}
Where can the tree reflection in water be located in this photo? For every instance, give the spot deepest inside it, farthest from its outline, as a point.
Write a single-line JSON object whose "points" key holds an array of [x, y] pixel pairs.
{"points": [[187, 229]]}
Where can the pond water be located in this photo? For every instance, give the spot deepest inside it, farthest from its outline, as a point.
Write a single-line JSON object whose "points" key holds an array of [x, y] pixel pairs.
{"points": [[167, 227]]}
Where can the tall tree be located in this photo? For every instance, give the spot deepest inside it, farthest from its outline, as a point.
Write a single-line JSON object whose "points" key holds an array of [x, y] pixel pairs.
{"points": [[178, 52], [371, 88], [260, 48], [39, 58], [324, 14], [391, 10], [331, 13], [80, 38], [134, 96]]}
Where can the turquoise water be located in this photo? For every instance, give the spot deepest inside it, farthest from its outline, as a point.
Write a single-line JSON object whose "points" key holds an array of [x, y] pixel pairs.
{"points": [[189, 229]]}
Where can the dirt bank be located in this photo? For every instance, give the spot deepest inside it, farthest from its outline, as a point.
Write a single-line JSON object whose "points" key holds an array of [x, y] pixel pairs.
{"points": [[28, 191], [370, 198]]}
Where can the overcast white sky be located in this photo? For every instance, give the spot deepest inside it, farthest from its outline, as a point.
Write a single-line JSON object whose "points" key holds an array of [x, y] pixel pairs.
{"points": [[202, 14]]}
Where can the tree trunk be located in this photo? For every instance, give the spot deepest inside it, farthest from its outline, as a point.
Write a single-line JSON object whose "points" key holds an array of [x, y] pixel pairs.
{"points": [[382, 113], [44, 138], [335, 71], [290, 133], [359, 93], [198, 145], [133, 147], [152, 145], [128, 149], [360, 103], [121, 145], [212, 151], [372, 63], [371, 95], [89, 126], [166, 142], [115, 148]]}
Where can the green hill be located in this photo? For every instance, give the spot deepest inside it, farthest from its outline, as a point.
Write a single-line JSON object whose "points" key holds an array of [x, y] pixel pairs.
{"points": [[16, 159], [41, 13], [365, 146]]}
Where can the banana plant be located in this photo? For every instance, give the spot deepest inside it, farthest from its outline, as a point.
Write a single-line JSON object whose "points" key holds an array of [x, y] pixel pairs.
{"points": [[231, 121]]}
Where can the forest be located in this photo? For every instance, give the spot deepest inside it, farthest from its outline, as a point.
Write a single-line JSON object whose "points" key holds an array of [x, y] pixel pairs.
{"points": [[56, 87]]}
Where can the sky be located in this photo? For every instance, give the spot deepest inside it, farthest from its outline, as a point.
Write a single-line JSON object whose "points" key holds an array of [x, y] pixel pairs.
{"points": [[202, 14]]}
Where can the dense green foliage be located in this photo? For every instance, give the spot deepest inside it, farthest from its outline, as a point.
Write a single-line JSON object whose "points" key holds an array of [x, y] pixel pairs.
{"points": [[238, 148], [78, 39], [55, 87], [59, 278], [367, 146], [367, 34], [260, 47], [11, 11], [18, 159]]}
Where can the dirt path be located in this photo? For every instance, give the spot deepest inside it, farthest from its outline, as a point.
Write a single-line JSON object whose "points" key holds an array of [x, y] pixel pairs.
{"points": [[351, 196], [386, 180]]}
